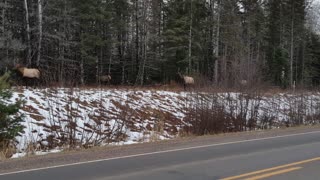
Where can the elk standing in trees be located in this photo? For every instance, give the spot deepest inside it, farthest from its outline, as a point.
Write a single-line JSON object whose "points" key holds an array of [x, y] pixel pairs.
{"points": [[187, 80], [27, 73], [105, 79], [243, 83]]}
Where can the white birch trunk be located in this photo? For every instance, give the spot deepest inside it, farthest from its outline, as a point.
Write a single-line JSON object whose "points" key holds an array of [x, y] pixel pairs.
{"points": [[145, 38], [40, 31], [28, 32]]}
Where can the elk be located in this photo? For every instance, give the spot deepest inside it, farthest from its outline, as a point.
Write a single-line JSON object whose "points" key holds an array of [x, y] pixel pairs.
{"points": [[187, 80], [28, 73], [105, 78], [243, 82]]}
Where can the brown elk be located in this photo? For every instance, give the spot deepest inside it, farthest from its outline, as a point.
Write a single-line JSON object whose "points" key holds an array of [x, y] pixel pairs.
{"points": [[105, 79], [187, 80], [28, 73]]}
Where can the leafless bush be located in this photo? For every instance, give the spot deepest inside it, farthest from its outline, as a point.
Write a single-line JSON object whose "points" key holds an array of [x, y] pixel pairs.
{"points": [[313, 116], [211, 113], [266, 121], [303, 109], [73, 123], [206, 116], [297, 109]]}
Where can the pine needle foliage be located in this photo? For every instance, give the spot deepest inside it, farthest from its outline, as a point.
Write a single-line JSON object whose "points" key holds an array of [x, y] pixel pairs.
{"points": [[10, 119]]}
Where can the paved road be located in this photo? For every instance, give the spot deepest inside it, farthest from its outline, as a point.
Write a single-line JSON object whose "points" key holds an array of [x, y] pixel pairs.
{"points": [[295, 156]]}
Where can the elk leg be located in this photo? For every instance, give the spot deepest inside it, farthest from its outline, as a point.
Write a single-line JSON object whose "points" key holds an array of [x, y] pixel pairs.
{"points": [[26, 82]]}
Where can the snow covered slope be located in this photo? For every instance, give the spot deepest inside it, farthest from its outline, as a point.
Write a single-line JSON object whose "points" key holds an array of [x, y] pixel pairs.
{"points": [[59, 118]]}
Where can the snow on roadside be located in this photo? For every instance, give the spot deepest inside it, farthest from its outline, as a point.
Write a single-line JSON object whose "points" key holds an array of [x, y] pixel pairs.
{"points": [[95, 114], [100, 117]]}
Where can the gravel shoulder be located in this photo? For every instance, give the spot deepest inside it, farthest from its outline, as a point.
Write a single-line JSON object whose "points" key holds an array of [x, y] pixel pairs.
{"points": [[97, 153]]}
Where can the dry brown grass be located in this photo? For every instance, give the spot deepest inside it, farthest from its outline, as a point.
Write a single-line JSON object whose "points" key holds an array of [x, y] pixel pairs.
{"points": [[201, 86], [7, 150]]}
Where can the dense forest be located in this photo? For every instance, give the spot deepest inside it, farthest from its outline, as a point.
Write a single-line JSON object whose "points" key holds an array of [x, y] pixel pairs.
{"points": [[139, 42]]}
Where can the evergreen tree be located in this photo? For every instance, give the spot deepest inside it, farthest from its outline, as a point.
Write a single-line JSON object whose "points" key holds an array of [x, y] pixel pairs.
{"points": [[232, 45], [280, 70], [120, 17], [11, 31], [59, 42], [184, 36], [155, 70], [273, 37], [175, 37], [144, 41], [312, 72], [253, 23], [10, 119], [92, 20]]}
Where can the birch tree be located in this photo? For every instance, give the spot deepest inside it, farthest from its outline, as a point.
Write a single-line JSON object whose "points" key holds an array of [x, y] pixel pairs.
{"points": [[28, 32], [40, 31]]}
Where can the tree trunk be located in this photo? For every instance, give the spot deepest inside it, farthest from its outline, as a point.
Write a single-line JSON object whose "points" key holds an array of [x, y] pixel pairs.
{"points": [[249, 71], [216, 63], [190, 39], [40, 31], [3, 16], [144, 61], [98, 66], [28, 33], [109, 66], [160, 31], [137, 37], [122, 58], [303, 63], [4, 29], [291, 49], [145, 40], [160, 42], [64, 40], [82, 71]]}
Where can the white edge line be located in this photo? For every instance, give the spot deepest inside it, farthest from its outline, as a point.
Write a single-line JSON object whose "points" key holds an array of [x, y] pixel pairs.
{"points": [[157, 152]]}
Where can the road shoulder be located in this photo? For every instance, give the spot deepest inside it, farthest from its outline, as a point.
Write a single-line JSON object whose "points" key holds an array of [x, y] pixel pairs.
{"points": [[103, 153]]}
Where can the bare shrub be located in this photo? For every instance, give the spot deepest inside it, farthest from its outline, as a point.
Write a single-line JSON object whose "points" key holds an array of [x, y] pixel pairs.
{"points": [[206, 116], [313, 116], [211, 113], [266, 121], [73, 123], [67, 120]]}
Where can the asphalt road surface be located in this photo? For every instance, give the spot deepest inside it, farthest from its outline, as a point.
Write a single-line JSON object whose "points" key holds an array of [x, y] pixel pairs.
{"points": [[294, 156]]}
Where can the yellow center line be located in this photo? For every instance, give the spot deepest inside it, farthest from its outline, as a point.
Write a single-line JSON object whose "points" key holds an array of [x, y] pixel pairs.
{"points": [[273, 173], [272, 169]]}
